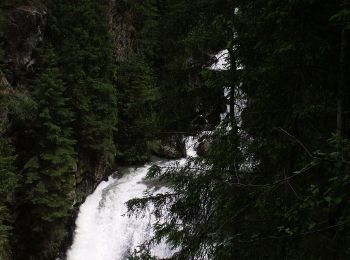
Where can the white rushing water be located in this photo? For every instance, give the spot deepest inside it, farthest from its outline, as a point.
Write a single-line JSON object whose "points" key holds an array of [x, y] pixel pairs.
{"points": [[104, 231]]}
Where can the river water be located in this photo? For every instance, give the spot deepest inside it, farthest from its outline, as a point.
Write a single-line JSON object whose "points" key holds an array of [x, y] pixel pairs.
{"points": [[104, 231]]}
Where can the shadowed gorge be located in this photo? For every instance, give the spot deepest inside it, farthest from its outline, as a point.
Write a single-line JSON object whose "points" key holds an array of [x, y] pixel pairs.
{"points": [[174, 129]]}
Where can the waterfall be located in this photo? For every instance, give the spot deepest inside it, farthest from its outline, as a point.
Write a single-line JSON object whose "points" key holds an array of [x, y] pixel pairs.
{"points": [[104, 231]]}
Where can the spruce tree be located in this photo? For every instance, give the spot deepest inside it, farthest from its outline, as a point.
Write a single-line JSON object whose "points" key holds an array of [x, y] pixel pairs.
{"points": [[49, 173], [86, 56], [280, 180], [138, 92], [191, 34], [138, 98], [8, 183], [8, 172]]}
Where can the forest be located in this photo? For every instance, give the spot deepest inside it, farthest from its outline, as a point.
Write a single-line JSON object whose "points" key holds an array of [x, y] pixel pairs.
{"points": [[89, 86]]}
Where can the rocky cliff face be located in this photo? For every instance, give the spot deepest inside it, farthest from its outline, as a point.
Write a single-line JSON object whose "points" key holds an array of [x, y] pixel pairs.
{"points": [[88, 176], [23, 34]]}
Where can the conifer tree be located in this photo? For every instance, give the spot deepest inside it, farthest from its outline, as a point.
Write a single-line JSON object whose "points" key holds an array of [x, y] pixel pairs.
{"points": [[8, 172], [191, 34], [282, 183], [8, 182], [86, 53], [49, 178], [138, 93], [137, 101]]}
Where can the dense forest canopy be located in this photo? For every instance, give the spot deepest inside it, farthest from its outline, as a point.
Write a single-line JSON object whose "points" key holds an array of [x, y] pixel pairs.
{"points": [[88, 85]]}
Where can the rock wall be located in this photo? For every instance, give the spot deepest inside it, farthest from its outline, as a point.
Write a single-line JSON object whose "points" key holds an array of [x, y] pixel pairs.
{"points": [[23, 35]]}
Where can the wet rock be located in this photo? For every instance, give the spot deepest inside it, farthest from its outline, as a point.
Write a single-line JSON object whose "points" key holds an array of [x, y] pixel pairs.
{"points": [[88, 175], [23, 34], [203, 146], [170, 148]]}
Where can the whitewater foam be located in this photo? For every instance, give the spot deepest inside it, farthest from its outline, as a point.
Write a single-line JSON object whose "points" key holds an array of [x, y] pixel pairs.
{"points": [[104, 231]]}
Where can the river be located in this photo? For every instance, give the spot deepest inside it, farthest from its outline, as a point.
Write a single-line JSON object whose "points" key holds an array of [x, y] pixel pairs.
{"points": [[104, 231]]}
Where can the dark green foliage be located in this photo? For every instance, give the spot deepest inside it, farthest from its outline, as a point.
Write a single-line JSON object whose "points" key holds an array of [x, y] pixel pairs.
{"points": [[161, 89], [148, 38], [292, 69], [191, 33], [49, 174], [137, 95], [8, 173], [85, 53], [8, 183], [71, 136], [62, 125], [275, 186], [2, 26]]}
